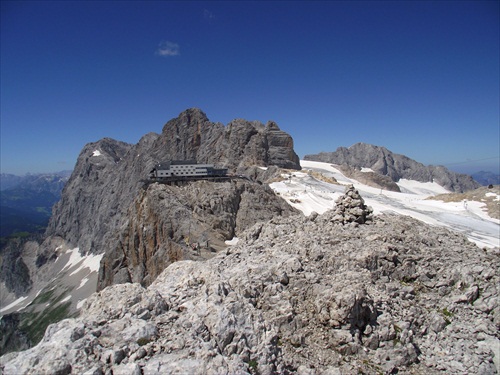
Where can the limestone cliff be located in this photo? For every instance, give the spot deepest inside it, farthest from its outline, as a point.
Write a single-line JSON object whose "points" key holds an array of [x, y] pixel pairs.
{"points": [[169, 223], [108, 173], [99, 208]]}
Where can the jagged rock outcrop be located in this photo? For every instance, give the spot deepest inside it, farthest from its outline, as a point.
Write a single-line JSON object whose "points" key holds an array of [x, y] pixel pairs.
{"points": [[369, 178], [295, 295], [92, 201], [108, 173], [169, 223], [12, 338], [396, 166], [13, 270]]}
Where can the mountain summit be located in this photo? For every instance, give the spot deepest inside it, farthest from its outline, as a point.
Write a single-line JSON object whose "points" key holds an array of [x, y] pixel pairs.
{"points": [[108, 173], [396, 166]]}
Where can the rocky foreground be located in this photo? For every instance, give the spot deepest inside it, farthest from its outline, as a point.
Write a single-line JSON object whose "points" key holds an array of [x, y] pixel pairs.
{"points": [[335, 293]]}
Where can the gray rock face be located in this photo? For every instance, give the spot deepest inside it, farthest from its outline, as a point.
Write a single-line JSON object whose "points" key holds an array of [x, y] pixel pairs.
{"points": [[370, 178], [295, 295], [91, 203], [108, 173], [384, 162], [169, 223], [12, 338], [238, 145], [13, 270]]}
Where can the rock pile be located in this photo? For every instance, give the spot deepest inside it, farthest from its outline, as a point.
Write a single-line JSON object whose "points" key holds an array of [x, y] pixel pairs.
{"points": [[351, 208], [295, 295]]}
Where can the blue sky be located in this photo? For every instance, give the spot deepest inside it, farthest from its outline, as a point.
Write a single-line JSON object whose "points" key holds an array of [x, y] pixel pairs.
{"points": [[420, 78]]}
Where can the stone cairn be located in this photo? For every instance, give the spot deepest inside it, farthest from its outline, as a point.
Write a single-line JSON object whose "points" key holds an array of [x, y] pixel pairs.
{"points": [[351, 208]]}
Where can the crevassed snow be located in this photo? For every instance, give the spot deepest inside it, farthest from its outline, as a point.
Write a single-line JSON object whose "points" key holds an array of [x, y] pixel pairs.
{"points": [[309, 194], [417, 187]]}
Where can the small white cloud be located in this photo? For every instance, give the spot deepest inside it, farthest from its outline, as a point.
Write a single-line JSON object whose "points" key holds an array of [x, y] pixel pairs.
{"points": [[208, 15], [167, 48]]}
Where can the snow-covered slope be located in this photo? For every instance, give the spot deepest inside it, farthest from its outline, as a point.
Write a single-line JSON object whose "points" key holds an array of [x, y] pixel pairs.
{"points": [[74, 279], [307, 193]]}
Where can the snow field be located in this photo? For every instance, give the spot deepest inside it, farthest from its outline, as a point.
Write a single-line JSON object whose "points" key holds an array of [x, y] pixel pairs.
{"points": [[308, 194]]}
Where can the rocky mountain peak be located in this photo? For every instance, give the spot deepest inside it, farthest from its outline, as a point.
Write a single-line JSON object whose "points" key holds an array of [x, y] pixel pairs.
{"points": [[396, 166], [108, 173], [272, 126]]}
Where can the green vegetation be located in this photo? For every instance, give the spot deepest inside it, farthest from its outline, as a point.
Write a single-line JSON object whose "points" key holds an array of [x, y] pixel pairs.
{"points": [[39, 316], [35, 323], [446, 313], [252, 366], [43, 297], [143, 341], [25, 210], [371, 368]]}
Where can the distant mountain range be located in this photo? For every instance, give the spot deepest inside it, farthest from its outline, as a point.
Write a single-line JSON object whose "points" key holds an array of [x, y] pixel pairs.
{"points": [[486, 178], [26, 201], [52, 182]]}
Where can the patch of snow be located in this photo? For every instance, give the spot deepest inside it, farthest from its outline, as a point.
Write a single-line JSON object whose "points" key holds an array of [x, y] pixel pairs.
{"points": [[67, 298], [96, 153], [232, 241], [263, 168], [479, 209], [367, 170], [307, 194], [74, 258], [16, 302], [82, 283], [71, 269], [489, 194], [80, 303], [91, 262]]}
